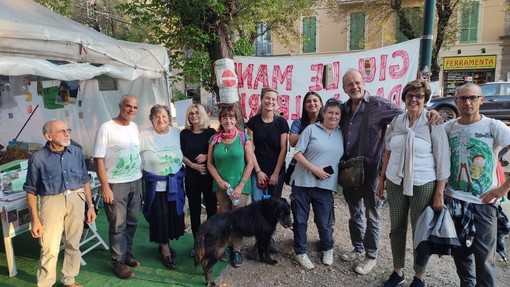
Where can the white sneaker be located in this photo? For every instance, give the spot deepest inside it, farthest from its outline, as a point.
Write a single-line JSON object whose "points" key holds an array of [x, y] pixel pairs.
{"points": [[352, 255], [327, 257], [304, 261], [365, 266]]}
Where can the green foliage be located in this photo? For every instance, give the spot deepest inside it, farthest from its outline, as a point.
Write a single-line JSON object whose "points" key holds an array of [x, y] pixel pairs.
{"points": [[211, 27], [243, 47], [177, 95]]}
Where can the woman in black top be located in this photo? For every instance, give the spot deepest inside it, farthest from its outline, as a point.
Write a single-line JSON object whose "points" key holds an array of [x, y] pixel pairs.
{"points": [[194, 144]]}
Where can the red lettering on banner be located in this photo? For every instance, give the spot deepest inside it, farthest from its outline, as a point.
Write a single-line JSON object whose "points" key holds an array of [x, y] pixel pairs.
{"points": [[336, 77], [242, 100], [253, 103], [368, 73], [246, 75], [382, 68], [380, 92], [396, 71], [317, 79], [395, 94], [279, 77], [283, 106], [297, 115], [261, 77]]}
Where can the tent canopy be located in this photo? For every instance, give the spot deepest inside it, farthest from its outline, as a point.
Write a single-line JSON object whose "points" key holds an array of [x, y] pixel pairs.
{"points": [[34, 41], [30, 31]]}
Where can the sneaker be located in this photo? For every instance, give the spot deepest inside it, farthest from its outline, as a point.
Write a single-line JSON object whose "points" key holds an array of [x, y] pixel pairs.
{"points": [[123, 271], [237, 259], [327, 257], [131, 261], [365, 266], [304, 261], [417, 283], [226, 255], [394, 280], [75, 284], [352, 255]]}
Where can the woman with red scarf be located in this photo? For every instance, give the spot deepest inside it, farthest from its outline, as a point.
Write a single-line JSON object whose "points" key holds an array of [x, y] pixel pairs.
{"points": [[230, 163]]}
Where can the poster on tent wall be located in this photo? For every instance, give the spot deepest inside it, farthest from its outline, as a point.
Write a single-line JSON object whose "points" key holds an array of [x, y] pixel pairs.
{"points": [[386, 71], [81, 104]]}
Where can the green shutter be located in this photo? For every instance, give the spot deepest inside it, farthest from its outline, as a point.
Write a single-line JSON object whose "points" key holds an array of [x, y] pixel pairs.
{"points": [[469, 23], [309, 34], [357, 31]]}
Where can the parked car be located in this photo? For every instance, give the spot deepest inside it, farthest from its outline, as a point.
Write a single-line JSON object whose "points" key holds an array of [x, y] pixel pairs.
{"points": [[496, 104]]}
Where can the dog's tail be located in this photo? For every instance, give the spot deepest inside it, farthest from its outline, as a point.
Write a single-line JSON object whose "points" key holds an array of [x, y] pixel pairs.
{"points": [[199, 249]]}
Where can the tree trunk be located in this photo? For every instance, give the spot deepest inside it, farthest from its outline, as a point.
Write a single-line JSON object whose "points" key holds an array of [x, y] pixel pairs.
{"points": [[219, 49]]}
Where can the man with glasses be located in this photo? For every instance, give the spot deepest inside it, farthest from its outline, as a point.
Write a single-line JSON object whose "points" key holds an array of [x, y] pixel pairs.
{"points": [[473, 191], [365, 220], [117, 154], [58, 175]]}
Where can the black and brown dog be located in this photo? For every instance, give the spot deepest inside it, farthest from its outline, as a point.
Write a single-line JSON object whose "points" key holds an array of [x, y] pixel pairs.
{"points": [[257, 219]]}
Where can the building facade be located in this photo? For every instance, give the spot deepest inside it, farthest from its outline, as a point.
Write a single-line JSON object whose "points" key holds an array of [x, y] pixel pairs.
{"points": [[479, 29]]}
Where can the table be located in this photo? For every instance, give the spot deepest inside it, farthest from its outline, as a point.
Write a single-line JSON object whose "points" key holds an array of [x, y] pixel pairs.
{"points": [[16, 219]]}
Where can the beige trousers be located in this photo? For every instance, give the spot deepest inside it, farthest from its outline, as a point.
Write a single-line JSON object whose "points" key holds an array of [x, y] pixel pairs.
{"points": [[60, 215]]}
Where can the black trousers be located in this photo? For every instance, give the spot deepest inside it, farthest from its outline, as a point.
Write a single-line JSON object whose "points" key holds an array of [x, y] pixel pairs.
{"points": [[198, 185]]}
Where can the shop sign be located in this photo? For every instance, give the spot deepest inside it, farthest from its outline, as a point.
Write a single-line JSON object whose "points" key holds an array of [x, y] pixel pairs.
{"points": [[469, 62]]}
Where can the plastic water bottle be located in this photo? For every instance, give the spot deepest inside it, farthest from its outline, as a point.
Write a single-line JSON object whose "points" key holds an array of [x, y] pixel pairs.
{"points": [[235, 202]]}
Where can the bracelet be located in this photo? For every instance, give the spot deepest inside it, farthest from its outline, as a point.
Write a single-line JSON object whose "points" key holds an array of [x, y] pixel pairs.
{"points": [[258, 171], [243, 180], [90, 205]]}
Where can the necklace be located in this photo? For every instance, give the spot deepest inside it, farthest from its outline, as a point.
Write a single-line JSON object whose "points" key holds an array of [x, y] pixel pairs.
{"points": [[226, 146]]}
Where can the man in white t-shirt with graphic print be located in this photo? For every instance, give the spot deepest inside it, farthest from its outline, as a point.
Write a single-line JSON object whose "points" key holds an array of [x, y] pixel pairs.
{"points": [[473, 190], [117, 154]]}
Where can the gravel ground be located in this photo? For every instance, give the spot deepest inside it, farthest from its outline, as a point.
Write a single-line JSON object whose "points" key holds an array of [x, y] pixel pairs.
{"points": [[440, 271]]}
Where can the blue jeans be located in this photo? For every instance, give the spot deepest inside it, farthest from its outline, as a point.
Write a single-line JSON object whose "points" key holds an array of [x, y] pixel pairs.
{"points": [[475, 264], [122, 217], [365, 221], [322, 204], [275, 191]]}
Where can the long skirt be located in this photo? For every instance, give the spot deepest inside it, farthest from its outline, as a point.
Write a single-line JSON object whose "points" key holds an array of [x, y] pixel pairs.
{"points": [[165, 223]]}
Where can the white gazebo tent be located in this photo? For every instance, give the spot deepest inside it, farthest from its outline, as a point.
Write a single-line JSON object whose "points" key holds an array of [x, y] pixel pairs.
{"points": [[38, 43]]}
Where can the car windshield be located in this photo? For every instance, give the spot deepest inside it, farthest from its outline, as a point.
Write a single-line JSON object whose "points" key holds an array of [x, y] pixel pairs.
{"points": [[489, 90]]}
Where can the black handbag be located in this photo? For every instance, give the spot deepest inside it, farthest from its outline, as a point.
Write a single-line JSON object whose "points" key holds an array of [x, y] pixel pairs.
{"points": [[351, 172], [289, 171]]}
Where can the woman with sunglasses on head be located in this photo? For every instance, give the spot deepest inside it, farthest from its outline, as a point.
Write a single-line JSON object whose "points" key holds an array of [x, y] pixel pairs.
{"points": [[318, 151], [268, 131], [194, 145], [415, 167], [163, 177], [230, 163]]}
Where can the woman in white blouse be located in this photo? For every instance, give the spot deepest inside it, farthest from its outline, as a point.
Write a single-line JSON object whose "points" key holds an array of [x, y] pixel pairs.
{"points": [[415, 168]]}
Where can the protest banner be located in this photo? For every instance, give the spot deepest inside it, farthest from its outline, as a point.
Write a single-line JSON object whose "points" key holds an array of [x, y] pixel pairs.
{"points": [[385, 70]]}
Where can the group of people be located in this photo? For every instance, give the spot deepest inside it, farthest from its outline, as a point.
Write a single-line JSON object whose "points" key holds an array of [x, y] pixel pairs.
{"points": [[411, 160], [407, 153]]}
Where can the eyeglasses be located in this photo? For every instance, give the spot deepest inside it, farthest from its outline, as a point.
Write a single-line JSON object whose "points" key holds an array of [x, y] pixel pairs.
{"points": [[194, 114], [410, 97], [63, 132], [333, 101], [463, 99]]}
